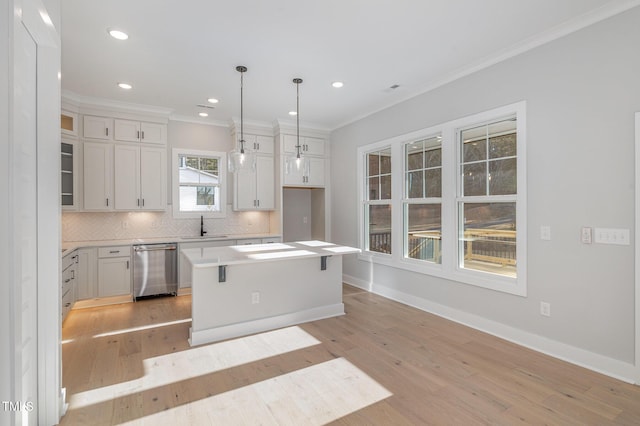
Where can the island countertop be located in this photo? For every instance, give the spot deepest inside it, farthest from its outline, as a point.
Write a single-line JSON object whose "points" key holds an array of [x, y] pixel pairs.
{"points": [[229, 255]]}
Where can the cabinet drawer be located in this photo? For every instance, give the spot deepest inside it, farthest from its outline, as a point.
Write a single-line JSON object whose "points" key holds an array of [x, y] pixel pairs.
{"points": [[115, 251], [68, 260], [67, 283], [270, 240], [67, 303], [249, 241]]}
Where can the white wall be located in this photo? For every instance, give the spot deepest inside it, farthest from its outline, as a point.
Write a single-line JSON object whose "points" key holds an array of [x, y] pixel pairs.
{"points": [[581, 92]]}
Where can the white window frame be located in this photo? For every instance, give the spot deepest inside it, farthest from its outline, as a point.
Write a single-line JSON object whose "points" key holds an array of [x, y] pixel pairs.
{"points": [[451, 226], [222, 185]]}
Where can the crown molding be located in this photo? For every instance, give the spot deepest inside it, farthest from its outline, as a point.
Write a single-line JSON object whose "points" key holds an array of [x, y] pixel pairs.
{"points": [[96, 104], [195, 120]]}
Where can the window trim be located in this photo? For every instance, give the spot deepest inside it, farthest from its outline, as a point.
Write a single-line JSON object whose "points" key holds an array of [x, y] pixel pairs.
{"points": [[175, 187], [451, 181]]}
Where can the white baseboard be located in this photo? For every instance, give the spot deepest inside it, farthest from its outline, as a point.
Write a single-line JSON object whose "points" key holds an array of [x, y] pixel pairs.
{"points": [[263, 324], [574, 355]]}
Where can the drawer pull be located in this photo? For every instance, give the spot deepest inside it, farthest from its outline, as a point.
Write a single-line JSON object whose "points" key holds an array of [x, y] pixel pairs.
{"points": [[114, 251]]}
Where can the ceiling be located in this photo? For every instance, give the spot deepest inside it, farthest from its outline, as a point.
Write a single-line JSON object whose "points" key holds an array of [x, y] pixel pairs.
{"points": [[180, 53]]}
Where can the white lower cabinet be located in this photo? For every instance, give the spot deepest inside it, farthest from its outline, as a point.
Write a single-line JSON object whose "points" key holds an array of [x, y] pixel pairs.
{"points": [[114, 271], [68, 290], [86, 276]]}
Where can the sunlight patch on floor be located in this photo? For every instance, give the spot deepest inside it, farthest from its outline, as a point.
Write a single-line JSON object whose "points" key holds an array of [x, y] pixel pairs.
{"points": [[195, 362], [141, 328], [315, 395]]}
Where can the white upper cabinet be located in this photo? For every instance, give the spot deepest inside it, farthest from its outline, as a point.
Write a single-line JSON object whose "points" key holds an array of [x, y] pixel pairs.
{"points": [[140, 131], [308, 145], [98, 176], [140, 178], [257, 143], [255, 190], [68, 123], [97, 127], [311, 173]]}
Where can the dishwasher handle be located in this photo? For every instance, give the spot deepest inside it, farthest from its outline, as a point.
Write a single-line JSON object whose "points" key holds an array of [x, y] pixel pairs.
{"points": [[143, 248]]}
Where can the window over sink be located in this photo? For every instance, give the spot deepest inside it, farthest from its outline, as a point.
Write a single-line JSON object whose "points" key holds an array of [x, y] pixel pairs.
{"points": [[199, 183]]}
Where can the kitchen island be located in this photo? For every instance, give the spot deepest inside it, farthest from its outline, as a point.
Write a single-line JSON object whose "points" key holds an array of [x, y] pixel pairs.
{"points": [[240, 290]]}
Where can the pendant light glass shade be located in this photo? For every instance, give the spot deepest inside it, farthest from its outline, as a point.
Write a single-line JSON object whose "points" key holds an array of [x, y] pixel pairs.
{"points": [[239, 159], [296, 163]]}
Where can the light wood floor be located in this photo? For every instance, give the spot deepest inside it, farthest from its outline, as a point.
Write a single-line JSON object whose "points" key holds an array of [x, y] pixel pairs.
{"points": [[438, 372]]}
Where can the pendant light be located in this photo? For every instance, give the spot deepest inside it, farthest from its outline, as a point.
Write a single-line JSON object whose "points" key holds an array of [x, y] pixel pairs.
{"points": [[297, 162], [239, 159]]}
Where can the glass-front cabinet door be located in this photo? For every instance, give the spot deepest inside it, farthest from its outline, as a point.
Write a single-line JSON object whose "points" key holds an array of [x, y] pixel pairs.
{"points": [[68, 175]]}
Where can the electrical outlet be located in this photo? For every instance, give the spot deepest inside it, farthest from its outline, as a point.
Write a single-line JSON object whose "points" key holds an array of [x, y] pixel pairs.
{"points": [[545, 232], [545, 309], [255, 298]]}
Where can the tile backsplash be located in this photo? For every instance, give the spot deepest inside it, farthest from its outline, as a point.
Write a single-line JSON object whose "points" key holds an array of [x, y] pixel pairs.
{"points": [[129, 225]]}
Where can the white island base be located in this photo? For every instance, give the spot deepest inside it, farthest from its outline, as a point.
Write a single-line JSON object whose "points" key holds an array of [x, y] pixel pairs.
{"points": [[241, 290]]}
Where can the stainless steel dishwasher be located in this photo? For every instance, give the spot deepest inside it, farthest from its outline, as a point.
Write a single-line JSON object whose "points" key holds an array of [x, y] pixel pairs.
{"points": [[155, 269]]}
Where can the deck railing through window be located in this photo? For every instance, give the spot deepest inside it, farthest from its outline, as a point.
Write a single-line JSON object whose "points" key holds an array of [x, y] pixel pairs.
{"points": [[487, 245]]}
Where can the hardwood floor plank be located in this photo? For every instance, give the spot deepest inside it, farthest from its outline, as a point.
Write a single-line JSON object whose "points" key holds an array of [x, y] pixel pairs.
{"points": [[438, 372]]}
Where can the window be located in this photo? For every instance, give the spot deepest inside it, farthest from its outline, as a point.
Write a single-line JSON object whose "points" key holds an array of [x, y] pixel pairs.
{"points": [[423, 202], [450, 200], [487, 197], [378, 201], [199, 183]]}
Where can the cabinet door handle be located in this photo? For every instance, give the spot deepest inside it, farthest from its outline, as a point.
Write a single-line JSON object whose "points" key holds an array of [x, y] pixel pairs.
{"points": [[106, 130], [258, 146], [143, 202], [143, 134], [258, 203], [138, 134], [114, 251], [127, 264], [107, 202], [138, 202]]}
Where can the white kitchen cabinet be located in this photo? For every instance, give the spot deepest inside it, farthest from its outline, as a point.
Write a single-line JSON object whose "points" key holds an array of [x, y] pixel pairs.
{"points": [[255, 189], [86, 274], [140, 131], [68, 174], [114, 271], [308, 145], [97, 127], [257, 143], [68, 284], [98, 176], [69, 123], [312, 174], [140, 178]]}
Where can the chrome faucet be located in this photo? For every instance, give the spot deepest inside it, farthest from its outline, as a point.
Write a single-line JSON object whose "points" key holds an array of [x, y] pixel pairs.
{"points": [[202, 231]]}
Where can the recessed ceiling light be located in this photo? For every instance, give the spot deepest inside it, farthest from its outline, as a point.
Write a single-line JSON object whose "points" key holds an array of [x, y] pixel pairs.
{"points": [[117, 34], [293, 113], [212, 100], [203, 114], [125, 86], [337, 84]]}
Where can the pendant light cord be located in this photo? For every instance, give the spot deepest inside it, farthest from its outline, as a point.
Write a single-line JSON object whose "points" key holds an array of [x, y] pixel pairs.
{"points": [[297, 81], [242, 69]]}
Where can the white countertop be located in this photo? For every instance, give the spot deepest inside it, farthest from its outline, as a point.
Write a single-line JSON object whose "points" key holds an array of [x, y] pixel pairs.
{"points": [[229, 255], [69, 246]]}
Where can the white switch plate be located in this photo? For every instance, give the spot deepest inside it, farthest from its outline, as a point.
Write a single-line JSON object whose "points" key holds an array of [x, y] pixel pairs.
{"points": [[545, 232], [612, 236], [545, 309], [255, 298], [586, 235]]}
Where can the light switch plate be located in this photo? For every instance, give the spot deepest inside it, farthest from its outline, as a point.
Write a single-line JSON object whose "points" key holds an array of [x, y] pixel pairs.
{"points": [[612, 236], [586, 235]]}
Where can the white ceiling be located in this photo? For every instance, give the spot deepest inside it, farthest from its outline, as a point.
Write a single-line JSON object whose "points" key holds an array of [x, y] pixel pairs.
{"points": [[179, 53]]}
